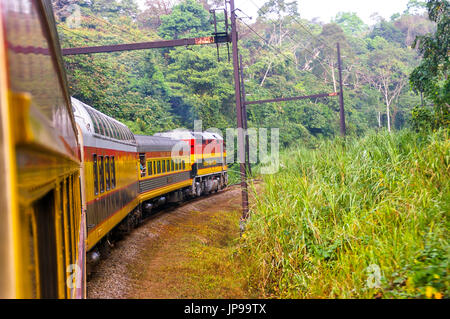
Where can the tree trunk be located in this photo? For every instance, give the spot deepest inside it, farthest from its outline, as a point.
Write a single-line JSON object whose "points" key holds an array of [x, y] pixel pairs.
{"points": [[388, 118], [265, 75], [334, 78], [379, 119]]}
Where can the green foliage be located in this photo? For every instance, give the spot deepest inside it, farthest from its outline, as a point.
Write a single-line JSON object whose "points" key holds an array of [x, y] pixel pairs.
{"points": [[431, 76], [329, 213], [161, 89], [425, 277], [350, 23], [188, 19], [422, 119], [389, 32]]}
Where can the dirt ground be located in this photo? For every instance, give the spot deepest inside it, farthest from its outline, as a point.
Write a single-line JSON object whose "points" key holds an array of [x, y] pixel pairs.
{"points": [[186, 251]]}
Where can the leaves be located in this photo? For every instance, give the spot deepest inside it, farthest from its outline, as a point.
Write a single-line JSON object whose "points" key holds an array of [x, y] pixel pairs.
{"points": [[160, 89]]}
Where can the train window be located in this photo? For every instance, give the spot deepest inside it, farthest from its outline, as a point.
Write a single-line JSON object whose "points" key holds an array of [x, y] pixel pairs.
{"points": [[163, 166], [111, 125], [100, 125], [142, 164], [94, 120], [113, 129], [158, 166], [101, 172], [116, 131], [95, 175], [109, 128], [108, 175], [184, 165], [119, 132], [122, 134], [113, 172], [149, 168], [168, 166], [105, 125], [172, 165]]}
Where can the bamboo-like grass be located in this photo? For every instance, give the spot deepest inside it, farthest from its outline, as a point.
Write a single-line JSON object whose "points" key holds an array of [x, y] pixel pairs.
{"points": [[364, 218]]}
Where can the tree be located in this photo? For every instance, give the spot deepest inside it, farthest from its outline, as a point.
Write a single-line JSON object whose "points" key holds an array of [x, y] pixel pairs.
{"points": [[415, 6], [187, 19], [330, 35], [151, 17], [431, 76], [350, 23], [388, 31], [387, 72]]}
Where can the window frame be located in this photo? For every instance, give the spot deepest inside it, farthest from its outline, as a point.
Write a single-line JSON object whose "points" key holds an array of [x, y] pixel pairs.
{"points": [[113, 172], [107, 174], [101, 174], [95, 173]]}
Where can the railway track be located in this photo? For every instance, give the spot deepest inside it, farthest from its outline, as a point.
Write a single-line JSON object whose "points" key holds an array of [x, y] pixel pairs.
{"points": [[155, 244]]}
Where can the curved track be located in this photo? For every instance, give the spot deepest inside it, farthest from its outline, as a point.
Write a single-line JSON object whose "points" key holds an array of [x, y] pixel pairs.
{"points": [[143, 264]]}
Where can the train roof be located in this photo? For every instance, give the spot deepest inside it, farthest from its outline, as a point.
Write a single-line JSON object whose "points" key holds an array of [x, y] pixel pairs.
{"points": [[97, 123], [211, 136], [146, 143], [187, 135]]}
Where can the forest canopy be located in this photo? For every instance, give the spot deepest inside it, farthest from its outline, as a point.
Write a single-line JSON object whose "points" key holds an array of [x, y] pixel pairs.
{"points": [[283, 55]]}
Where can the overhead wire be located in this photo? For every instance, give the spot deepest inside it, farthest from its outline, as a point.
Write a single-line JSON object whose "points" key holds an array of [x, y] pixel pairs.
{"points": [[314, 55], [300, 24], [274, 47], [116, 26]]}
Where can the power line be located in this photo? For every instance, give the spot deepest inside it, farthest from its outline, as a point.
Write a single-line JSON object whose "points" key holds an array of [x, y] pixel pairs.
{"points": [[275, 48], [299, 23], [267, 42], [116, 27]]}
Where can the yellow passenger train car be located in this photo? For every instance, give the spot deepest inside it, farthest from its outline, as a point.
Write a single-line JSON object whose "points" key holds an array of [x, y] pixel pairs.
{"points": [[70, 175], [41, 221]]}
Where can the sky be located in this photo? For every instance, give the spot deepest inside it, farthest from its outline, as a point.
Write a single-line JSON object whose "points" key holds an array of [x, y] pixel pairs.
{"points": [[327, 9]]}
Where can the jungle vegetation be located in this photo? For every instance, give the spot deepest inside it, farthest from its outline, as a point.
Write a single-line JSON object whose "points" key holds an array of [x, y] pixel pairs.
{"points": [[361, 217], [284, 55]]}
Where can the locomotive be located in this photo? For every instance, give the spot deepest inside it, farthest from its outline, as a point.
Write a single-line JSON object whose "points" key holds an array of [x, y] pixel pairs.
{"points": [[69, 174]]}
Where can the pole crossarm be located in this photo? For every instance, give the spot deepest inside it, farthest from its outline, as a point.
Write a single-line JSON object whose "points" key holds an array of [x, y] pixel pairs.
{"points": [[147, 45], [294, 98]]}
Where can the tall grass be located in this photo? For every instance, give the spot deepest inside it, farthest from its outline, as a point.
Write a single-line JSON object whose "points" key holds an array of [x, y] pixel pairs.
{"points": [[332, 217]]}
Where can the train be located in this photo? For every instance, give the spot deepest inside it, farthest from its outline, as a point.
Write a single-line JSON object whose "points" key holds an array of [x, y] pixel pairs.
{"points": [[70, 176]]}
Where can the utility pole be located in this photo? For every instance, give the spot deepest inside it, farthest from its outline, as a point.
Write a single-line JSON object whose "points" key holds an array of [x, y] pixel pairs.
{"points": [[341, 93], [239, 114], [248, 167]]}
